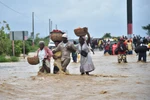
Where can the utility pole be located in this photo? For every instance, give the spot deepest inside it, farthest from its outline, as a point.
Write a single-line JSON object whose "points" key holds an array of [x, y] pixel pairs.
{"points": [[129, 18], [56, 26], [32, 29], [49, 26]]}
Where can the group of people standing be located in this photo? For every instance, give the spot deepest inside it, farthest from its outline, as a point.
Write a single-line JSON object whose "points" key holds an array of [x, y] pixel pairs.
{"points": [[61, 55], [126, 46]]}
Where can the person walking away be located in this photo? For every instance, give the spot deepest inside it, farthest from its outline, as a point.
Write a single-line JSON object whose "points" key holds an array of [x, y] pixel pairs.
{"points": [[74, 54], [100, 43], [142, 53], [129, 47], [44, 54], [66, 49], [107, 49], [93, 44], [135, 41], [114, 47], [138, 42], [86, 63], [122, 51], [149, 47], [108, 42]]}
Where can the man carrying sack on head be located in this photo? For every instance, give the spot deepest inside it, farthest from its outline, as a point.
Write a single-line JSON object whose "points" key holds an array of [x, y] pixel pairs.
{"points": [[66, 48]]}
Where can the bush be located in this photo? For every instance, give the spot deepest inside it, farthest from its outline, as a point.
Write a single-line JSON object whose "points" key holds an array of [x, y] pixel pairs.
{"points": [[4, 43], [34, 49], [3, 59], [18, 48], [11, 59], [14, 59], [27, 47], [36, 43]]}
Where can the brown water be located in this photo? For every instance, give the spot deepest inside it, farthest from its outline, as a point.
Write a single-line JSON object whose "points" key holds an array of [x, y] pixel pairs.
{"points": [[110, 81]]}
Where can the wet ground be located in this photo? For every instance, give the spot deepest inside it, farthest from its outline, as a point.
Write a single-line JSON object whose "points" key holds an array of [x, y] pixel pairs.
{"points": [[109, 81]]}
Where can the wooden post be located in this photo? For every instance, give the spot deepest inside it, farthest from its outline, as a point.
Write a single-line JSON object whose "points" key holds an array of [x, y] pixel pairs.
{"points": [[24, 49], [13, 46], [23, 44], [32, 28]]}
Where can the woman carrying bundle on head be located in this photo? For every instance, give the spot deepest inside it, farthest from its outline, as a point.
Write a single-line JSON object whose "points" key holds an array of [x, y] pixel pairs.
{"points": [[83, 48]]}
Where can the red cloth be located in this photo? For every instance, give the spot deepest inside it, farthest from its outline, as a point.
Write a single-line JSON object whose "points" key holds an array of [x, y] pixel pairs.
{"points": [[114, 48], [124, 52], [107, 47]]}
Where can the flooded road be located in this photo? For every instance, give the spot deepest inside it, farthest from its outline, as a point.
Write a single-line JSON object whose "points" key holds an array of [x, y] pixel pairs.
{"points": [[109, 81]]}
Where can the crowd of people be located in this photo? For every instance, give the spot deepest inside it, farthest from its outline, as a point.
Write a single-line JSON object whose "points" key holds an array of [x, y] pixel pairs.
{"points": [[61, 54], [125, 46]]}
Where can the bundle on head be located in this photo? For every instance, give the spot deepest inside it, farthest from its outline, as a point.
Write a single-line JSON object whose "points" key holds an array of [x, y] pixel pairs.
{"points": [[56, 35], [80, 32]]}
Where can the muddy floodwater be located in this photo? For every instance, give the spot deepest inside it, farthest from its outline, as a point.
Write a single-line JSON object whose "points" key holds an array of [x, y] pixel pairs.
{"points": [[109, 81]]}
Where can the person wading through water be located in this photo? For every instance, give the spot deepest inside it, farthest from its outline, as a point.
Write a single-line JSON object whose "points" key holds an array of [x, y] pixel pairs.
{"points": [[74, 54], [44, 54], [57, 61], [142, 56], [86, 59], [122, 51], [66, 48]]}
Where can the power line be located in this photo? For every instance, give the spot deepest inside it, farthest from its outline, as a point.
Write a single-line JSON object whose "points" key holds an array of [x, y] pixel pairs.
{"points": [[20, 12], [11, 8], [39, 18], [45, 28]]}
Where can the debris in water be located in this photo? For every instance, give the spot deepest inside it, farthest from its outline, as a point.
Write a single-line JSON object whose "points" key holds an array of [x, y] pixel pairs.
{"points": [[103, 92]]}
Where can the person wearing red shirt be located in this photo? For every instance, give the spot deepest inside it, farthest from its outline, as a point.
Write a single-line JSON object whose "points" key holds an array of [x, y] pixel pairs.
{"points": [[122, 47], [114, 46], [106, 49]]}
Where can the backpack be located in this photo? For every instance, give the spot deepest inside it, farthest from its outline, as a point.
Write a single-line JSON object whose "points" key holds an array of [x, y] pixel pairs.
{"points": [[122, 47]]}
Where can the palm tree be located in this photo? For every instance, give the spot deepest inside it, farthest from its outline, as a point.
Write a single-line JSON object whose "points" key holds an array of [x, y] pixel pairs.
{"points": [[147, 28]]}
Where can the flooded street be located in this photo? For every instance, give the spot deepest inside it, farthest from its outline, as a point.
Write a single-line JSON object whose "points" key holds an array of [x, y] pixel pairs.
{"points": [[109, 81]]}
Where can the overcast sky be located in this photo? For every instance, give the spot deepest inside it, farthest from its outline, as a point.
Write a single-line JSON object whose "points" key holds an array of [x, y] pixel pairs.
{"points": [[100, 16]]}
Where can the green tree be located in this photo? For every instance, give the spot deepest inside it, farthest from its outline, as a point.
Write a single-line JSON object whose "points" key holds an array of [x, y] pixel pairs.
{"points": [[4, 38], [147, 28], [107, 35], [5, 42], [18, 48], [37, 35]]}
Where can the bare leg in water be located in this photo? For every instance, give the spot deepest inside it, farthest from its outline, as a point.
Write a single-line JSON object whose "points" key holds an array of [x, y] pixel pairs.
{"points": [[44, 67]]}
